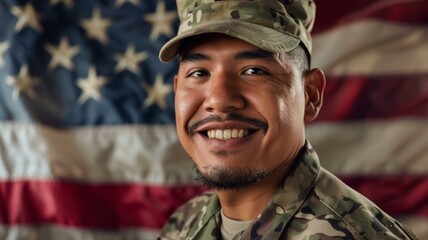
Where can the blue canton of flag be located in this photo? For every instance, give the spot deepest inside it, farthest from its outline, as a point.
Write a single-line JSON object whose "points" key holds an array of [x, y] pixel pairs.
{"points": [[72, 63]]}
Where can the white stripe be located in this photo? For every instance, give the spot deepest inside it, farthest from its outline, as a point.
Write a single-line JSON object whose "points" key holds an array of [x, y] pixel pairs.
{"points": [[153, 155], [144, 153], [57, 232], [372, 47], [390, 146], [418, 225]]}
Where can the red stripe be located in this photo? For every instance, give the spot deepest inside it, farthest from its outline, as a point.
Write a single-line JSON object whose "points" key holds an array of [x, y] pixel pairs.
{"points": [[90, 206], [127, 205], [362, 97], [396, 195], [331, 13]]}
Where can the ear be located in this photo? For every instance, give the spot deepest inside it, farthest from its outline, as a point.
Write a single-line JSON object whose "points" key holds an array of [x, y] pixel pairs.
{"points": [[175, 82], [315, 82]]}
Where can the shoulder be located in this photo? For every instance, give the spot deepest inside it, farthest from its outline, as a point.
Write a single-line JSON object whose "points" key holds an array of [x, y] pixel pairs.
{"points": [[344, 212], [181, 220]]}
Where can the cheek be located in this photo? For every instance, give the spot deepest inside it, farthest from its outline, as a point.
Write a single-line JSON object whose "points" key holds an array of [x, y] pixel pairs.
{"points": [[285, 115], [291, 111], [187, 104], [181, 104], [286, 130], [182, 108]]}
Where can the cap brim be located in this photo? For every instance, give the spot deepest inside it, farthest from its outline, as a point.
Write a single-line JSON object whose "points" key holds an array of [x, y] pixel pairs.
{"points": [[260, 36]]}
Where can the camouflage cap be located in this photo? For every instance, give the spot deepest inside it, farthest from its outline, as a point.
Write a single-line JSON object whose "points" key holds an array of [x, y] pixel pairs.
{"points": [[272, 25]]}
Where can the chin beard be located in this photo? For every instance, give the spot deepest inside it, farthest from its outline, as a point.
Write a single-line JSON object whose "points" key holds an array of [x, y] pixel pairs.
{"points": [[225, 178]]}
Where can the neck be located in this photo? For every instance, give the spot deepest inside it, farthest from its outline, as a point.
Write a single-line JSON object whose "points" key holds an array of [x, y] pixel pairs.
{"points": [[248, 203]]}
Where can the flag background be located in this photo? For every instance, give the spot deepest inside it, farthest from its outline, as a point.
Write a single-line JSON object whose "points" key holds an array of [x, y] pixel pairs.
{"points": [[88, 148]]}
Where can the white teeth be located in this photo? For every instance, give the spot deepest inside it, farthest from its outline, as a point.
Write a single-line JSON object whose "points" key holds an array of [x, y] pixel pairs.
{"points": [[242, 132], [219, 134], [227, 133], [235, 133]]}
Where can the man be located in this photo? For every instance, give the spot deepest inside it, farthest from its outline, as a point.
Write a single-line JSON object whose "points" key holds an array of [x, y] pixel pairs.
{"points": [[243, 94]]}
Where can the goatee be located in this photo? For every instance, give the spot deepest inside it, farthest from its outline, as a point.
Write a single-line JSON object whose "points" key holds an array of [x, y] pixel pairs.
{"points": [[227, 178]]}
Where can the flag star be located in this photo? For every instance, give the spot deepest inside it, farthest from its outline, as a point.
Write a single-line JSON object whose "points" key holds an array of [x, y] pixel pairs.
{"points": [[91, 86], [62, 54], [157, 93], [26, 16], [68, 3], [22, 83], [162, 21], [96, 26], [130, 60], [119, 3], [3, 48]]}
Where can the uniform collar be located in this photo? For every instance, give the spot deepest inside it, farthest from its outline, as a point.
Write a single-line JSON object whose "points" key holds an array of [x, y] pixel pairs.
{"points": [[289, 197], [287, 200]]}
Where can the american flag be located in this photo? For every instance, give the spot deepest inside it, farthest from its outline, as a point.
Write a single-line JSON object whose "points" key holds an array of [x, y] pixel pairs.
{"points": [[88, 148]]}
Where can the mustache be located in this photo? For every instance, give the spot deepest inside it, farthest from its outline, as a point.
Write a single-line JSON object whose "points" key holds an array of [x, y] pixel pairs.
{"points": [[215, 118]]}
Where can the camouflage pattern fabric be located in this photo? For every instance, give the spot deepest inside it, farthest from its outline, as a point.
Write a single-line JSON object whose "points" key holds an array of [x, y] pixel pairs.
{"points": [[275, 26], [310, 203]]}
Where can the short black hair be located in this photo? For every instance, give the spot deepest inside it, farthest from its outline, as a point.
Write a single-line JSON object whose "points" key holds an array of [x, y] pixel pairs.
{"points": [[300, 57]]}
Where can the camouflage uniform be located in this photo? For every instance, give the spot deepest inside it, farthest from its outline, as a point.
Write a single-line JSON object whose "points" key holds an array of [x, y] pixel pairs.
{"points": [[310, 203]]}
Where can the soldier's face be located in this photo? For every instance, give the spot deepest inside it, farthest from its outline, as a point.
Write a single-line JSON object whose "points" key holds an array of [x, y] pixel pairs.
{"points": [[240, 111]]}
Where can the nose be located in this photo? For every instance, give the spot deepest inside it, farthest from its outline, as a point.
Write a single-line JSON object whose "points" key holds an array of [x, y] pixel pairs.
{"points": [[223, 94]]}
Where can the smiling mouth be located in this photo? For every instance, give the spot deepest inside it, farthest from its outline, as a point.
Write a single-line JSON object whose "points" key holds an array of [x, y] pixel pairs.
{"points": [[226, 134]]}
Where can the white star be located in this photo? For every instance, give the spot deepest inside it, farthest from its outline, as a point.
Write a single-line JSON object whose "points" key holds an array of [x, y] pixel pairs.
{"points": [[62, 54], [96, 26], [119, 3], [26, 16], [3, 48], [161, 21], [157, 93], [130, 60], [91, 86], [22, 83], [68, 3]]}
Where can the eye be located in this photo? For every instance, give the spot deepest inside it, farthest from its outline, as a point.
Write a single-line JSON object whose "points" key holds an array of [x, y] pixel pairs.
{"points": [[254, 70], [198, 73]]}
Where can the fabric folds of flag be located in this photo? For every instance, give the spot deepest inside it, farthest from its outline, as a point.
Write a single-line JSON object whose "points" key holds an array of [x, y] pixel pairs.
{"points": [[88, 148], [372, 131]]}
